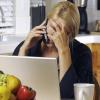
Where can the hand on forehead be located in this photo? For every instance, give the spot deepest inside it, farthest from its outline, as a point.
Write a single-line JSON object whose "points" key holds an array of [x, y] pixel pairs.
{"points": [[55, 24]]}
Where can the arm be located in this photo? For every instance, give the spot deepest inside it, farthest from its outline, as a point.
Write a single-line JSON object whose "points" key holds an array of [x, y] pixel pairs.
{"points": [[65, 61], [83, 65], [60, 39], [33, 37]]}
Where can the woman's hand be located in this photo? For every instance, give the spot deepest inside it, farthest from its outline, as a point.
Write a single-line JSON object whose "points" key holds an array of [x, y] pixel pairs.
{"points": [[61, 41], [34, 36], [58, 36]]}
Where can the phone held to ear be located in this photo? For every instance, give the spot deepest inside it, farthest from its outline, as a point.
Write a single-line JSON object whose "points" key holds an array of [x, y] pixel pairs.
{"points": [[45, 37]]}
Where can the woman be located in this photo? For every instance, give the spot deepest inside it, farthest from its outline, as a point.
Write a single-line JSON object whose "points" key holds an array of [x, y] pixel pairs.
{"points": [[74, 58]]}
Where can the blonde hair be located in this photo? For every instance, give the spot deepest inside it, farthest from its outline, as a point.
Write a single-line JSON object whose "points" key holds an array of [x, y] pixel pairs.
{"points": [[70, 14]]}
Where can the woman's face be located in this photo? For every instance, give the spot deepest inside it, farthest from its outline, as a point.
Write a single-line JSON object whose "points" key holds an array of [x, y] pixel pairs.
{"points": [[53, 24]]}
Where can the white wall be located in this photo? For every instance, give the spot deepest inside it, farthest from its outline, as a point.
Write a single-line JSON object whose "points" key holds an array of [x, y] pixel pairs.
{"points": [[49, 4], [22, 17], [93, 14], [91, 9]]}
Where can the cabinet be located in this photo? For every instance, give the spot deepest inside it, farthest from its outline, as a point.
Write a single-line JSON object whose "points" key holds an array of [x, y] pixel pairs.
{"points": [[95, 49]]}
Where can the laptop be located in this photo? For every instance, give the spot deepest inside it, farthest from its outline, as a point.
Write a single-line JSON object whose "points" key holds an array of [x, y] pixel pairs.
{"points": [[40, 73]]}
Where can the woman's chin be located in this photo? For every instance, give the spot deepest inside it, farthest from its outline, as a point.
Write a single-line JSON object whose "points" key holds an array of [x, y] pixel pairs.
{"points": [[49, 44]]}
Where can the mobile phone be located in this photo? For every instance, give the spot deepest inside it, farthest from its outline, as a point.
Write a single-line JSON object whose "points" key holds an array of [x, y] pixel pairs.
{"points": [[45, 37]]}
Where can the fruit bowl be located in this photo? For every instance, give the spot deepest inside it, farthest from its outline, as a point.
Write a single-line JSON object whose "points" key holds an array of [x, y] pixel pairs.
{"points": [[11, 88]]}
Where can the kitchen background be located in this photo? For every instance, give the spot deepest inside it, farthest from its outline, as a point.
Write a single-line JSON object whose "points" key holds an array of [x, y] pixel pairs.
{"points": [[16, 14], [16, 22]]}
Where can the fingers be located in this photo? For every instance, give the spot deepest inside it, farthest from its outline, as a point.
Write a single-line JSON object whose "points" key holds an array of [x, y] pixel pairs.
{"points": [[39, 28], [53, 29], [50, 30], [43, 23], [55, 26], [37, 32]]}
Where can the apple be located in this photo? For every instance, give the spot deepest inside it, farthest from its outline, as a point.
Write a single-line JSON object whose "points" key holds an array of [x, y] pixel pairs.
{"points": [[5, 93], [12, 97], [26, 93], [13, 83]]}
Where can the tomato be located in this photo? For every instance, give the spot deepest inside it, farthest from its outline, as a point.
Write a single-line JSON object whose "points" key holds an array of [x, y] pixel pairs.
{"points": [[26, 93]]}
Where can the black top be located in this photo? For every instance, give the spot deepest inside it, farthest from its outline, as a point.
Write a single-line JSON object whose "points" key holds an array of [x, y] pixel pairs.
{"points": [[79, 72]]}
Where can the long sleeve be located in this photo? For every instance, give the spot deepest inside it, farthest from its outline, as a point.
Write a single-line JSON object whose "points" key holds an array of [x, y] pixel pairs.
{"points": [[66, 84], [16, 50], [34, 51], [84, 66]]}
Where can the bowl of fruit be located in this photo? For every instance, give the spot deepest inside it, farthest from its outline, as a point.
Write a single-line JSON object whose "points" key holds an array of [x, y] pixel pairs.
{"points": [[11, 88]]}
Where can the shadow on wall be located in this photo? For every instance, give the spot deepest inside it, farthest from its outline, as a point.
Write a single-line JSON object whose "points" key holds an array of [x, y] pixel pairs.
{"points": [[91, 26]]}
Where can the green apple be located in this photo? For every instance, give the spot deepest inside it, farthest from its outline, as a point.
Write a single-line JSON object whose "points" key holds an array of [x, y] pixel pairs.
{"points": [[5, 93], [13, 83]]}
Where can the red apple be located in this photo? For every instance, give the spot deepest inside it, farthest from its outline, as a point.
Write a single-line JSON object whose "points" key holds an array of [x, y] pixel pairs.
{"points": [[26, 93]]}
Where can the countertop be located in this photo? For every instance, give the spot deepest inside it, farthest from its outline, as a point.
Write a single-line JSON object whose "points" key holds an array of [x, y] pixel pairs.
{"points": [[93, 38], [9, 43]]}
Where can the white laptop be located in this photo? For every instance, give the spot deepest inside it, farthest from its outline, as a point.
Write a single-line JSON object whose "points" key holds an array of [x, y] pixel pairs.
{"points": [[37, 72]]}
